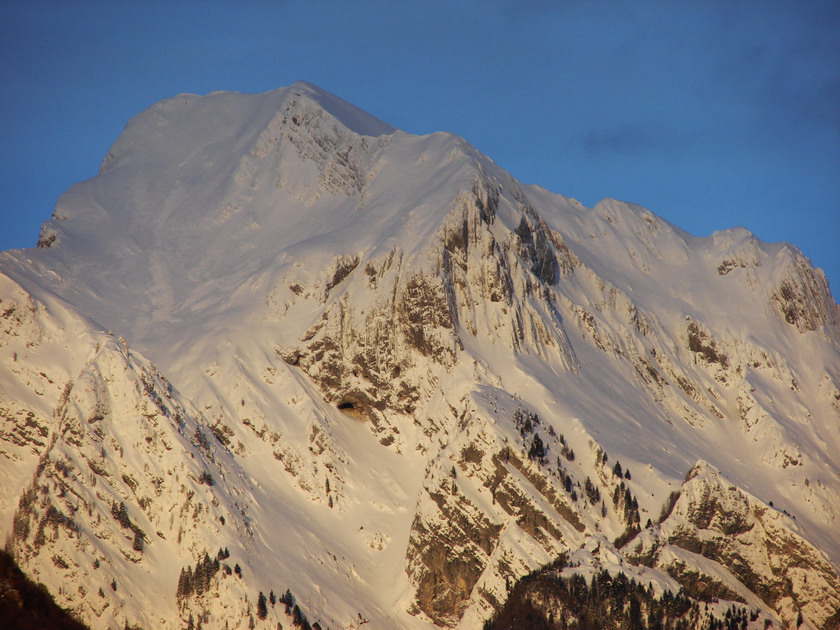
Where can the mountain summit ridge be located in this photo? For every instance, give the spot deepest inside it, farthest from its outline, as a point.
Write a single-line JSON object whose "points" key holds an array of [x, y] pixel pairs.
{"points": [[426, 378]]}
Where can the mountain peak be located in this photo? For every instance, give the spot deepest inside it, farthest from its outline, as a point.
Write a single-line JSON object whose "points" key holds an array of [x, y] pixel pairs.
{"points": [[421, 377], [353, 118]]}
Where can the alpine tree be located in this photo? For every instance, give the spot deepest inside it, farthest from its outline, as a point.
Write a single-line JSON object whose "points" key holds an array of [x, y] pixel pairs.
{"points": [[262, 608]]}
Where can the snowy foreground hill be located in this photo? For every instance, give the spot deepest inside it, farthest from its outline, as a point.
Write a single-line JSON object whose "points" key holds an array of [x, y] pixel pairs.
{"points": [[277, 345]]}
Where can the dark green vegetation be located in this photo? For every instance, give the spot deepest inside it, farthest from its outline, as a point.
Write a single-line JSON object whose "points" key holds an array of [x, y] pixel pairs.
{"points": [[547, 600], [25, 605]]}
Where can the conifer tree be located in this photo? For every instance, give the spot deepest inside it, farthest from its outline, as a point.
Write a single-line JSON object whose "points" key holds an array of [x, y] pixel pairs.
{"points": [[262, 608]]}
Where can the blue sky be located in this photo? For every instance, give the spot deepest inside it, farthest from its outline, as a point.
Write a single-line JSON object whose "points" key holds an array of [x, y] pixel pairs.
{"points": [[710, 113]]}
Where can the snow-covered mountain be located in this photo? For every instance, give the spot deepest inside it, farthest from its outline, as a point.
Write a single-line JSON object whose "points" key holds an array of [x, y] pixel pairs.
{"points": [[278, 345]]}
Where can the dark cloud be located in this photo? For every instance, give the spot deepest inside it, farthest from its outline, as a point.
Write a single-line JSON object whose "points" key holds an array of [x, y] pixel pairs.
{"points": [[783, 60], [628, 139]]}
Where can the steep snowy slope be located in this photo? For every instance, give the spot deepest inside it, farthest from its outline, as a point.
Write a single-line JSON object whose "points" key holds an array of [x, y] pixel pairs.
{"points": [[411, 379]]}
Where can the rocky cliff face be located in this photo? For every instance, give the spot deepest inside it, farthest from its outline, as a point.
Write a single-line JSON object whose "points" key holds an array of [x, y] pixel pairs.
{"points": [[124, 477], [375, 370], [750, 548]]}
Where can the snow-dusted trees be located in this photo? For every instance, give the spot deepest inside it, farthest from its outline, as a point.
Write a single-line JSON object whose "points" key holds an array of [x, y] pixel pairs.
{"points": [[195, 582], [538, 450]]}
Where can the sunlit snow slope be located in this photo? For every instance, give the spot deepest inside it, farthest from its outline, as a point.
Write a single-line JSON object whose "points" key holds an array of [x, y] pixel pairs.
{"points": [[383, 374]]}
